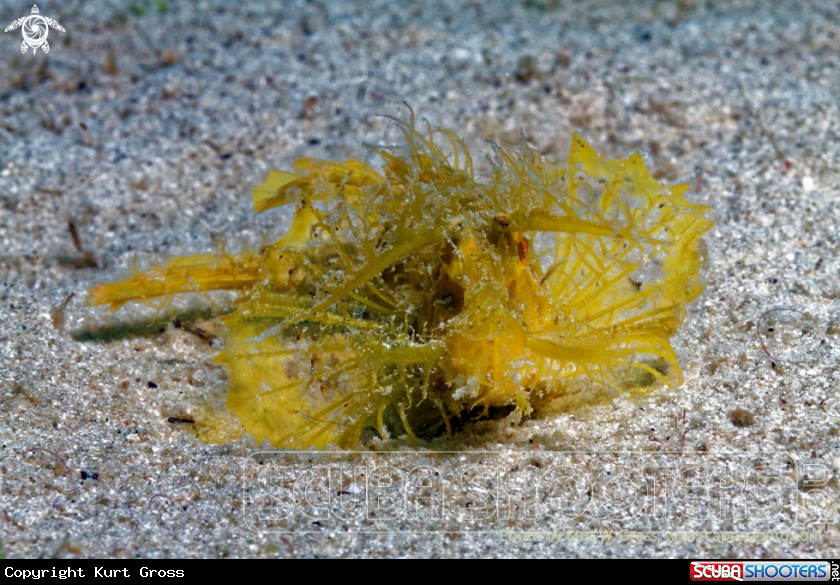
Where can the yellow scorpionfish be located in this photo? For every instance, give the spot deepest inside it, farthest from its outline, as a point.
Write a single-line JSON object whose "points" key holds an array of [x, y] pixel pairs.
{"points": [[401, 300]]}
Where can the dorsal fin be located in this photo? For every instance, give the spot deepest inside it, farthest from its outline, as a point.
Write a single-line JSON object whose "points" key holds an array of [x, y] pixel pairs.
{"points": [[581, 152], [268, 190]]}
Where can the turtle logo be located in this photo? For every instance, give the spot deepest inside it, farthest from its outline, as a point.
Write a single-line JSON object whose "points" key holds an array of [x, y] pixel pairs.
{"points": [[35, 30]]}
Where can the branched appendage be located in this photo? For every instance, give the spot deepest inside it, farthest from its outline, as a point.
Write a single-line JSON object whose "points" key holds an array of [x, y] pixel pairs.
{"points": [[398, 301]]}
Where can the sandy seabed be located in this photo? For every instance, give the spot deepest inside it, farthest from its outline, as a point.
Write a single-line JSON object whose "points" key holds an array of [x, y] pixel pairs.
{"points": [[145, 129]]}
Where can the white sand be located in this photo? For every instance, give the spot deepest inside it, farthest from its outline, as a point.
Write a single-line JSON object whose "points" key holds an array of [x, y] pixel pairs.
{"points": [[148, 133]]}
